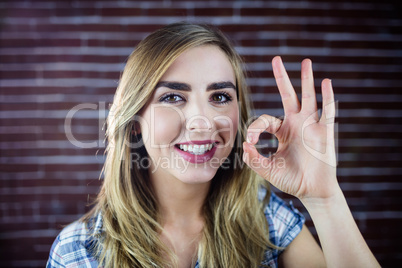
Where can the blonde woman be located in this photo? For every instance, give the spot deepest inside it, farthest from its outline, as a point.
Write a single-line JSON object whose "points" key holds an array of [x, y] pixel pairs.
{"points": [[180, 186]]}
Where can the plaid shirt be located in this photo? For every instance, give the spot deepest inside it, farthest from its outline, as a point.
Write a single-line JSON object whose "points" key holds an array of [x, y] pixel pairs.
{"points": [[72, 246]]}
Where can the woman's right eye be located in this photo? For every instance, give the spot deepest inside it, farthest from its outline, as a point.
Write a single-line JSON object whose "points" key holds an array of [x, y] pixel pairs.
{"points": [[171, 98]]}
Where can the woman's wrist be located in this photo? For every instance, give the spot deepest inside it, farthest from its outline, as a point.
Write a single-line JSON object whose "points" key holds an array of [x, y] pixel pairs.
{"points": [[340, 238], [333, 199]]}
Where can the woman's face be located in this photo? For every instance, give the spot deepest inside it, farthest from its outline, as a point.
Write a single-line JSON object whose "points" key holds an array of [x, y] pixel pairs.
{"points": [[190, 124]]}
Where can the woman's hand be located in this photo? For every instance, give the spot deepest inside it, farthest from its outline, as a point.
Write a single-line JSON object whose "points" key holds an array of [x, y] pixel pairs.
{"points": [[305, 166], [305, 162]]}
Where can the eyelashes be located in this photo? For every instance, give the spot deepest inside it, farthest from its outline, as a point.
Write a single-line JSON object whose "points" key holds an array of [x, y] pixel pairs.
{"points": [[219, 98], [171, 98]]}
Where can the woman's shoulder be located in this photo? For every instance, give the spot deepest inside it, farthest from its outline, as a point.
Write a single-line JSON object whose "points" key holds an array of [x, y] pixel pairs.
{"points": [[284, 220], [81, 230], [74, 231], [75, 244]]}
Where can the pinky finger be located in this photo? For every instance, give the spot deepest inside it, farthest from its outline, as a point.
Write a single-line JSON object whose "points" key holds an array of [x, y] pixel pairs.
{"points": [[328, 102]]}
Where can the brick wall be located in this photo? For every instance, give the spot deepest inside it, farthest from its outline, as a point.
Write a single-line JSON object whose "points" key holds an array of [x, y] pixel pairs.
{"points": [[55, 55]]}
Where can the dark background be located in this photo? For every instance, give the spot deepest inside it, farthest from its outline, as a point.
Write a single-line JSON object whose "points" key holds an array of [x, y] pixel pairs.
{"points": [[55, 55]]}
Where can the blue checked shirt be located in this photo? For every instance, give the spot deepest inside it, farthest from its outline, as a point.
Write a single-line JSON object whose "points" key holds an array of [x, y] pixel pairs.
{"points": [[72, 246]]}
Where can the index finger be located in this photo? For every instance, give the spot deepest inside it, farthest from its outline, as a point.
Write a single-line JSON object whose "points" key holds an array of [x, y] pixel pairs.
{"points": [[263, 123], [289, 98]]}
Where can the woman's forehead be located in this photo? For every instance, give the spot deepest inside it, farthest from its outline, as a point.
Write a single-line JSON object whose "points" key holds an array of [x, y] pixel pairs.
{"points": [[207, 63]]}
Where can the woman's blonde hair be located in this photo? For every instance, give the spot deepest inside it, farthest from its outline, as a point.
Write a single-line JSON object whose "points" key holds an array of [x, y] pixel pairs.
{"points": [[235, 233]]}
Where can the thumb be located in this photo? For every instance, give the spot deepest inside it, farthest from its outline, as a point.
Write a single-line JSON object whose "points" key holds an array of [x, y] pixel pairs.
{"points": [[260, 164]]}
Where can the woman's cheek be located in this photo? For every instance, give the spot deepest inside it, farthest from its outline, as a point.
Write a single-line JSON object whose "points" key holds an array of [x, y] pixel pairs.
{"points": [[166, 124], [235, 119], [227, 124]]}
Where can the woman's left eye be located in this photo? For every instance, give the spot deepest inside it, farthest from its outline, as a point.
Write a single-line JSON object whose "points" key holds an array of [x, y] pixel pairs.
{"points": [[221, 98]]}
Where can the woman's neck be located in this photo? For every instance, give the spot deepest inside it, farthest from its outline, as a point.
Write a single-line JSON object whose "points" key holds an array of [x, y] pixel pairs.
{"points": [[181, 210], [180, 203]]}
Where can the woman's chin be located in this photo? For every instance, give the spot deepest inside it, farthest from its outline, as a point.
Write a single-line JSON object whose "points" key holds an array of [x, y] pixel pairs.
{"points": [[196, 175]]}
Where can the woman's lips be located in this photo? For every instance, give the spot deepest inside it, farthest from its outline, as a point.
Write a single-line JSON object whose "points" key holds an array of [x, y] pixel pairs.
{"points": [[196, 151]]}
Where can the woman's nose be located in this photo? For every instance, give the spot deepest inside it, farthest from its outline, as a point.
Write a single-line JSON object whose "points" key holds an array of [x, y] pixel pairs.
{"points": [[199, 123]]}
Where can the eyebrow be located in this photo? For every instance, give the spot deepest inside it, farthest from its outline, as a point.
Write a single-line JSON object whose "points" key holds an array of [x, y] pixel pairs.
{"points": [[186, 87], [221, 85], [174, 85]]}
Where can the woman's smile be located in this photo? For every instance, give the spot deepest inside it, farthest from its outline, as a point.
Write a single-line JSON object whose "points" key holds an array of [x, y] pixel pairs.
{"points": [[197, 151]]}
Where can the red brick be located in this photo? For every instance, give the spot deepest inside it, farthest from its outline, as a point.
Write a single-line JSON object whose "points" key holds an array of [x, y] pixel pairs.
{"points": [[75, 12], [209, 12], [121, 43], [29, 12], [65, 208], [167, 12], [120, 12], [17, 168], [260, 42], [83, 168]]}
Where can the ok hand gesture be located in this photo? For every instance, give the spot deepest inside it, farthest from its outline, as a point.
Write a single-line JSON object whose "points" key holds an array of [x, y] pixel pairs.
{"points": [[306, 147]]}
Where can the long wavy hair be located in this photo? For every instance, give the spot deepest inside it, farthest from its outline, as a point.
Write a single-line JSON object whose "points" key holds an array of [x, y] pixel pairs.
{"points": [[235, 232]]}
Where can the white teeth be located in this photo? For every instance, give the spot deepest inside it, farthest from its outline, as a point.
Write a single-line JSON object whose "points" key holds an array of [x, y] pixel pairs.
{"points": [[196, 149]]}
